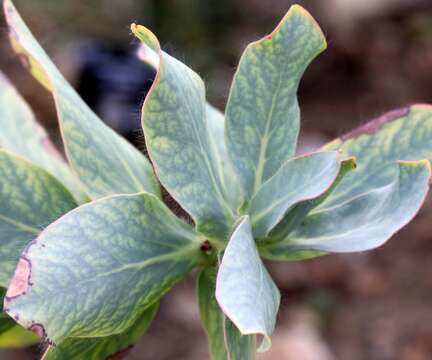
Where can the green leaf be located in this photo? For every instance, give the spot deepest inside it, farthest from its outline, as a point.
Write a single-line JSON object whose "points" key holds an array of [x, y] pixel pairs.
{"points": [[225, 340], [178, 141], [105, 162], [298, 180], [229, 179], [21, 133], [363, 222], [102, 348], [30, 199], [296, 216], [11, 334], [262, 113], [6, 321], [403, 134], [93, 271], [17, 337], [244, 289]]}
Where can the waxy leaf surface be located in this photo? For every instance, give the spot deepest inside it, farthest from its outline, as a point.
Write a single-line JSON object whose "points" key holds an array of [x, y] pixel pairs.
{"points": [[102, 348], [105, 162], [299, 179], [403, 134], [178, 141], [263, 117], [30, 199], [244, 289], [226, 172], [93, 271], [363, 222], [296, 216], [22, 134], [225, 340]]}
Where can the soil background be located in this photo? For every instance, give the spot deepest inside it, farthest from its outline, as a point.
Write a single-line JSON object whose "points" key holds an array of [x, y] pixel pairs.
{"points": [[368, 306]]}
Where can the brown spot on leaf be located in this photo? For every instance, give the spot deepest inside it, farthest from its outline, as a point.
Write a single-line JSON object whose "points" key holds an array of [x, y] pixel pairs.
{"points": [[39, 330], [121, 354], [374, 125], [21, 280]]}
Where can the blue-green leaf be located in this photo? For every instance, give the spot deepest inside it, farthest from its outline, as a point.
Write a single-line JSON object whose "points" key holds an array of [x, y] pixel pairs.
{"points": [[30, 199], [363, 222], [225, 340], [109, 347], [403, 134], [178, 141], [105, 162], [244, 289], [298, 180], [21, 134], [92, 272], [263, 117], [226, 172]]}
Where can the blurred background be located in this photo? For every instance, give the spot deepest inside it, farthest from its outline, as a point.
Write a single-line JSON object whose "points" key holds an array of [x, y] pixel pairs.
{"points": [[373, 306]]}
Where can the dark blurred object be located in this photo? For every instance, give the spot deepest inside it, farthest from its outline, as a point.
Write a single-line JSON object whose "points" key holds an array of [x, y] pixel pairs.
{"points": [[114, 82]]}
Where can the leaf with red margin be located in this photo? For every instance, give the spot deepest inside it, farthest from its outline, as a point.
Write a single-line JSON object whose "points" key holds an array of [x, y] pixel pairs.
{"points": [[400, 135], [30, 199], [363, 222], [23, 135], [300, 179], [105, 162], [403, 134], [93, 271], [245, 290], [262, 113], [178, 141]]}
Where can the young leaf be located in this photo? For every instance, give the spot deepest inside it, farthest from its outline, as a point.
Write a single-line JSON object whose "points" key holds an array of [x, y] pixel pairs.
{"points": [[398, 135], [225, 341], [105, 162], [30, 199], [298, 213], [110, 347], [177, 137], [244, 289], [363, 222], [262, 111], [299, 179], [21, 133], [93, 271]]}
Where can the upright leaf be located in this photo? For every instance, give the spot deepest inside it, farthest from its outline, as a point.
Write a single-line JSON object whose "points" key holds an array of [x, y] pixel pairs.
{"points": [[363, 222], [244, 289], [298, 180], [105, 162], [226, 172], [21, 133], [93, 271], [403, 134], [225, 340], [110, 347], [262, 113], [177, 137], [30, 199]]}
